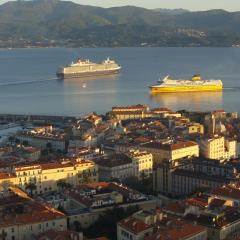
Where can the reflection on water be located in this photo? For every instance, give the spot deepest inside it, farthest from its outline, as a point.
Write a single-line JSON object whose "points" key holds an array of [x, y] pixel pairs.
{"points": [[83, 79], [190, 100], [90, 85]]}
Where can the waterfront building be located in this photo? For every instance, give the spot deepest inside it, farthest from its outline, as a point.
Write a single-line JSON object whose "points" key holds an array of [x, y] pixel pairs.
{"points": [[129, 112], [57, 142]]}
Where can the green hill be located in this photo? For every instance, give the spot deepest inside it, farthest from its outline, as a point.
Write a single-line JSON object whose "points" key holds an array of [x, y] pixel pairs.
{"points": [[64, 23]]}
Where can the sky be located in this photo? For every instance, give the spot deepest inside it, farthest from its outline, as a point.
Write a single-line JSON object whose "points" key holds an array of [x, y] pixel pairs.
{"points": [[195, 5]]}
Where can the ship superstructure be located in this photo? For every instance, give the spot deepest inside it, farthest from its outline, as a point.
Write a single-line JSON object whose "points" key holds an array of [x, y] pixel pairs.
{"points": [[85, 68], [196, 83]]}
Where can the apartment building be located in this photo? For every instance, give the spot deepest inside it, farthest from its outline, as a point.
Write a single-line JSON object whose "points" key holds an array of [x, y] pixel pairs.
{"points": [[154, 225], [118, 166], [21, 218], [217, 147], [129, 112], [171, 151], [46, 176], [142, 163], [41, 140], [187, 176], [87, 202]]}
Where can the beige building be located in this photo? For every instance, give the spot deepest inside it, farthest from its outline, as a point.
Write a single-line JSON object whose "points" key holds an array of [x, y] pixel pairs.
{"points": [[116, 167], [217, 147], [41, 140], [129, 112], [142, 163], [172, 151], [193, 128], [46, 176]]}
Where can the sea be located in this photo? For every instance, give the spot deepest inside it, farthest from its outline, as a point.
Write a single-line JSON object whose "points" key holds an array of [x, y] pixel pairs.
{"points": [[28, 84]]}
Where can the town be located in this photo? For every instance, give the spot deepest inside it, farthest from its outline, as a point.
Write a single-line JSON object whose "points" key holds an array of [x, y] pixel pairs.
{"points": [[135, 173]]}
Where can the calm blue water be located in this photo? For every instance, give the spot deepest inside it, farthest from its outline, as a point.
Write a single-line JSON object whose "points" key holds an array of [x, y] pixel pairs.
{"points": [[28, 84]]}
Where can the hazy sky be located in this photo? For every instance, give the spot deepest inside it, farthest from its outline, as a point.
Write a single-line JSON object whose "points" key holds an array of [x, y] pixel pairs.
{"points": [[231, 5]]}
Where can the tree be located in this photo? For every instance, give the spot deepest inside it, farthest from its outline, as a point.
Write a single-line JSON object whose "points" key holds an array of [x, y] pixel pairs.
{"points": [[63, 184], [106, 224], [31, 187], [17, 141], [25, 143], [6, 184], [11, 139], [77, 226], [49, 147]]}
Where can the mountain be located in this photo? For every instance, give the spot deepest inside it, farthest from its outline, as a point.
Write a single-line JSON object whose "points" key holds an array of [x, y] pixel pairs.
{"points": [[64, 23], [171, 11]]}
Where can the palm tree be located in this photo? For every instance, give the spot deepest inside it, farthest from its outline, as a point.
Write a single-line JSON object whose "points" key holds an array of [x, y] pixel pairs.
{"points": [[25, 143], [11, 139], [49, 147], [62, 184], [31, 187]]}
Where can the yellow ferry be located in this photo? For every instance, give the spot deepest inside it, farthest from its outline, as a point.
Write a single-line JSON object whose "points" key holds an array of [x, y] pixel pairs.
{"points": [[195, 84]]}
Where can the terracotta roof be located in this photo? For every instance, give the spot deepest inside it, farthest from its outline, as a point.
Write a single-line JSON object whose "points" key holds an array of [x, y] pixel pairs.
{"points": [[115, 161], [176, 230], [172, 146], [53, 234], [129, 107], [128, 112], [198, 202], [4, 175], [176, 207], [217, 202], [227, 191], [161, 110], [134, 225]]}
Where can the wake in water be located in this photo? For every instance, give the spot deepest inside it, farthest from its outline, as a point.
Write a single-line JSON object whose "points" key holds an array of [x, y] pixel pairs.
{"points": [[228, 89], [27, 82]]}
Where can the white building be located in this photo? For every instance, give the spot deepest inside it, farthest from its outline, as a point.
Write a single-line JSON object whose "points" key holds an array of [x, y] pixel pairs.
{"points": [[142, 163]]}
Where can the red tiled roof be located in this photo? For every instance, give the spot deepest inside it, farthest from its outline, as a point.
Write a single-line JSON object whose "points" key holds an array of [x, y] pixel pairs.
{"points": [[134, 225], [227, 191], [176, 230], [170, 147], [176, 207], [53, 234], [129, 107]]}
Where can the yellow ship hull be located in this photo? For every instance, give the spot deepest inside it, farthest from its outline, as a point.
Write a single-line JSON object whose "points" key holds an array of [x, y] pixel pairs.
{"points": [[155, 89]]}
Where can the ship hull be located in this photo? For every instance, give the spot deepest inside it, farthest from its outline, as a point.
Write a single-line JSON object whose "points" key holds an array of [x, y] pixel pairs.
{"points": [[87, 74], [156, 89]]}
